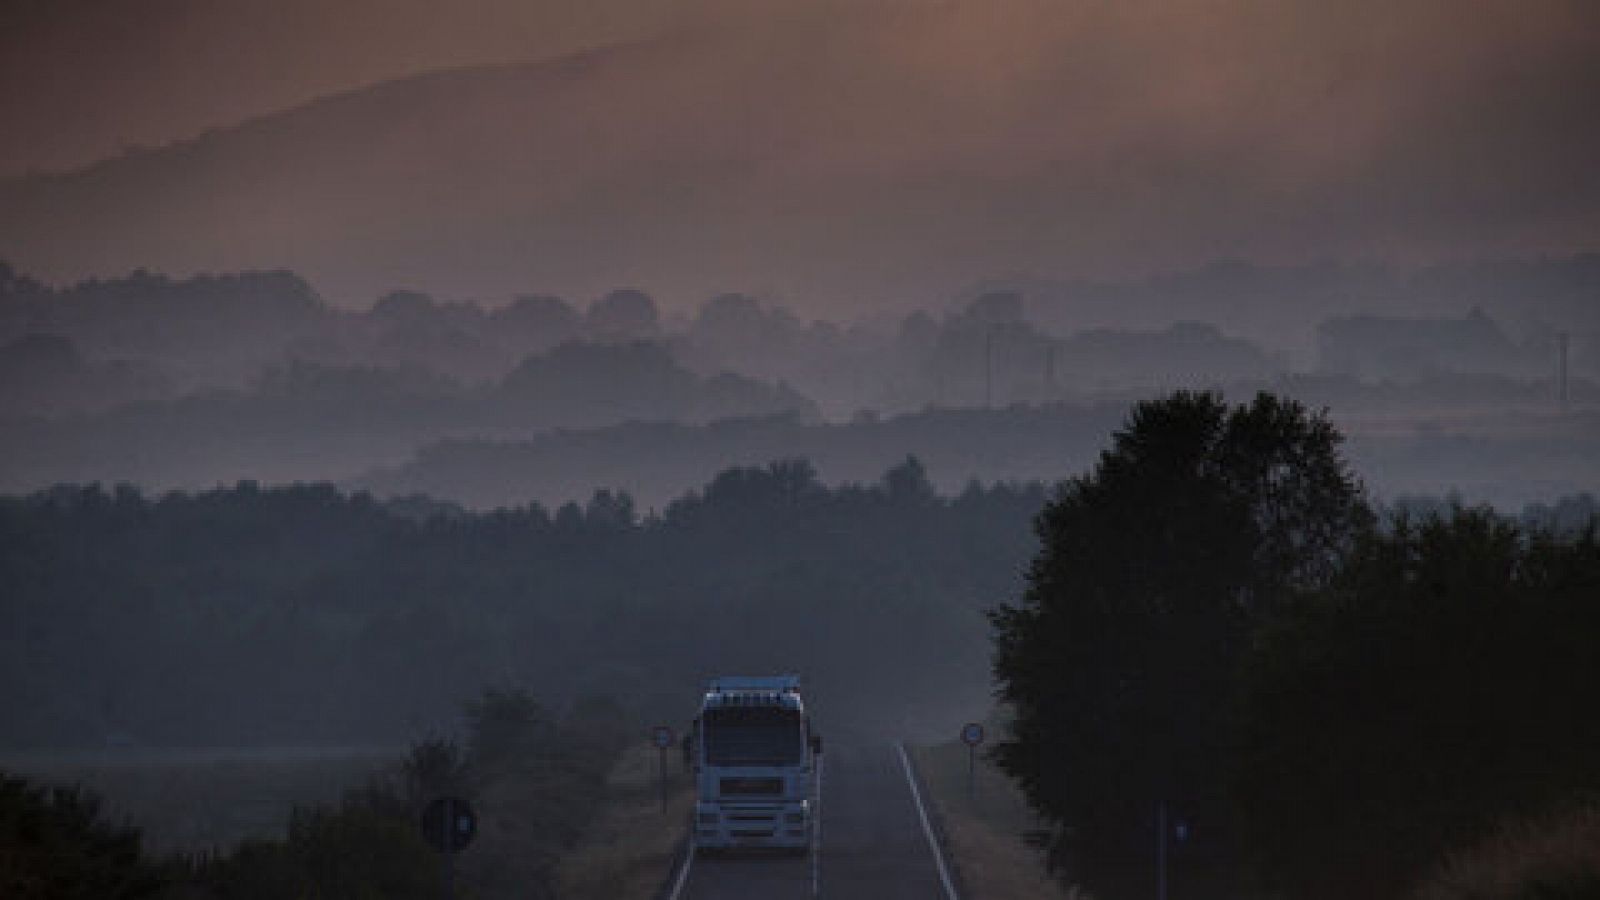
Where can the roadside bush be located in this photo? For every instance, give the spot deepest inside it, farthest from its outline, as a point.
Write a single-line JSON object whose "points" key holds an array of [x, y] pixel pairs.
{"points": [[54, 844], [367, 846]]}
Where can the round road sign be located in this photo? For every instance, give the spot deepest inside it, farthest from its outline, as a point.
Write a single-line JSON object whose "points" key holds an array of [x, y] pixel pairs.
{"points": [[661, 736], [972, 734], [449, 824]]}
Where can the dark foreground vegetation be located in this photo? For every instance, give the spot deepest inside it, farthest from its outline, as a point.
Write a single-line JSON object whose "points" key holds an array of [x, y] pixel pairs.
{"points": [[1321, 702], [534, 779]]}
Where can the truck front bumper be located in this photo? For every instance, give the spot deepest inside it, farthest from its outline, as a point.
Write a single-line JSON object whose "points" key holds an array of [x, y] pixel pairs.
{"points": [[752, 825]]}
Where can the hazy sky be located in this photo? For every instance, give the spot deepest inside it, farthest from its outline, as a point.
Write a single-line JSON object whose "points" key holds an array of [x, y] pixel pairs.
{"points": [[82, 79], [811, 146]]}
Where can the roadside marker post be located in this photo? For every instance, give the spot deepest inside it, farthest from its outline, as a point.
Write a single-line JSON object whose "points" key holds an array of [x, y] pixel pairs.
{"points": [[972, 736], [1161, 850], [661, 736], [449, 825], [1167, 830]]}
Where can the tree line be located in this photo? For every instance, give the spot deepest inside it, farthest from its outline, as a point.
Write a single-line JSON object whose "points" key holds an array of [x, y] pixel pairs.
{"points": [[251, 615]]}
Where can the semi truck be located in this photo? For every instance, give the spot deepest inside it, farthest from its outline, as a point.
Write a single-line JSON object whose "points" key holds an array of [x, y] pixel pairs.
{"points": [[756, 764]]}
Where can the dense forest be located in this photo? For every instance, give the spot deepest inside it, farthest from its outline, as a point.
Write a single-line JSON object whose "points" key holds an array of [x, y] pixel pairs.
{"points": [[317, 616]]}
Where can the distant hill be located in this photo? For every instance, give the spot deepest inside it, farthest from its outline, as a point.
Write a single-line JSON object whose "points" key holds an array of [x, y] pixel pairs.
{"points": [[853, 154], [657, 461], [45, 373], [307, 422], [208, 329], [1506, 458]]}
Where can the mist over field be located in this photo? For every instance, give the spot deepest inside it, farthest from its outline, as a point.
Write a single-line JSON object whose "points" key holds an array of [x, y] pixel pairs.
{"points": [[399, 400]]}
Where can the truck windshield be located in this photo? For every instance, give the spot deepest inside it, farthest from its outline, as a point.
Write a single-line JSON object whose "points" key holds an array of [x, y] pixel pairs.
{"points": [[752, 736]]}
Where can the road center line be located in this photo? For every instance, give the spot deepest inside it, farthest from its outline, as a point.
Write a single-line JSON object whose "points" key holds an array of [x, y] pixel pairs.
{"points": [[927, 828]]}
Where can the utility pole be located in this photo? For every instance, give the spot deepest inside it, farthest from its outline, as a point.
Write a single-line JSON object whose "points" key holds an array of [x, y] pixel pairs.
{"points": [[988, 367], [1561, 369], [663, 780], [449, 848]]}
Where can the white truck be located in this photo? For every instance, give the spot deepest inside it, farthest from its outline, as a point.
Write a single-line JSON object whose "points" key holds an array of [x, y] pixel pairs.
{"points": [[756, 764]]}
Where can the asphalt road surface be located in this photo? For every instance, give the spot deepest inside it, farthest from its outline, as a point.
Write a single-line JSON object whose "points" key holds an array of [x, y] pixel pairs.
{"points": [[873, 842]]}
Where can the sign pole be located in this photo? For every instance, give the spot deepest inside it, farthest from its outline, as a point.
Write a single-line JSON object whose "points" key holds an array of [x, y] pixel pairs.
{"points": [[972, 777], [1161, 850], [449, 848], [663, 751], [972, 736], [662, 737], [448, 825]]}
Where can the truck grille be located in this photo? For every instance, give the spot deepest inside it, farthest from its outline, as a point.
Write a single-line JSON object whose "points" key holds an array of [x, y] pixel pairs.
{"points": [[746, 787]]}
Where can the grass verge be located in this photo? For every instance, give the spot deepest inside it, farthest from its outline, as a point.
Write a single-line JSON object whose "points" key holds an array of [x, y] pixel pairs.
{"points": [[985, 823], [628, 849], [1549, 858]]}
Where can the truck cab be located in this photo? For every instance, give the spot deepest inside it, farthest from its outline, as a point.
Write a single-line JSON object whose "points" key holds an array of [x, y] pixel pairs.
{"points": [[756, 765]]}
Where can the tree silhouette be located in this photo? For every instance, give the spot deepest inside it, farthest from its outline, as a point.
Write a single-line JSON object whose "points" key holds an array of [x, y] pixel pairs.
{"points": [[54, 843], [507, 726], [1438, 688], [1119, 656], [435, 767]]}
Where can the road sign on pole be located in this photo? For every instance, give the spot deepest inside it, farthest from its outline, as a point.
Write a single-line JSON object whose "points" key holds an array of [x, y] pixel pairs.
{"points": [[972, 736], [661, 736], [449, 825]]}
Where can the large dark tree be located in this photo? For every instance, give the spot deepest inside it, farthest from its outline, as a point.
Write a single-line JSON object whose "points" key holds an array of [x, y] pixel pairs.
{"points": [[1443, 685], [1118, 660]]}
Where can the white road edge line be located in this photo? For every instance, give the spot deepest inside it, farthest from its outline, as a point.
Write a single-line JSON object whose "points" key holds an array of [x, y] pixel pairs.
{"points": [[683, 873], [927, 828], [816, 835]]}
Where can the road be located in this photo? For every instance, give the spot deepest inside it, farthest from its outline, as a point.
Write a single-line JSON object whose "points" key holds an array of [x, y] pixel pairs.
{"points": [[873, 843]]}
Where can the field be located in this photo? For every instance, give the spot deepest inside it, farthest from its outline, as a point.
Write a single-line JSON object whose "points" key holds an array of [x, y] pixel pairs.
{"points": [[628, 851]]}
